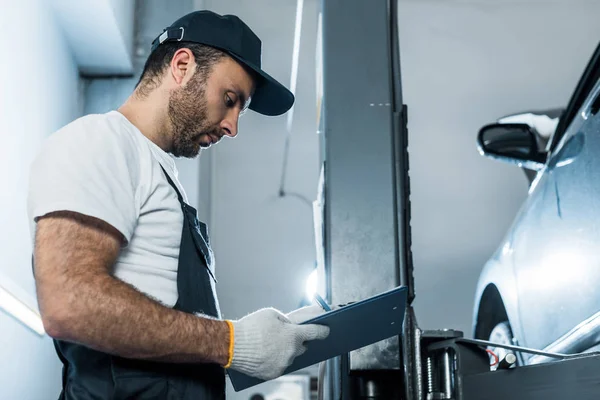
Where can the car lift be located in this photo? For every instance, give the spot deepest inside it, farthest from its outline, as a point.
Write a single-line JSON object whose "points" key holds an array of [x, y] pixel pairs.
{"points": [[363, 232]]}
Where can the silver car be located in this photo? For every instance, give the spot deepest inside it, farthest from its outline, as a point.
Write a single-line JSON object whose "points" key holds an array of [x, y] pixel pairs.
{"points": [[541, 288]]}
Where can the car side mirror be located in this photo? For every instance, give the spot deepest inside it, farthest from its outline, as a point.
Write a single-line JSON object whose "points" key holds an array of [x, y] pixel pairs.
{"points": [[512, 143]]}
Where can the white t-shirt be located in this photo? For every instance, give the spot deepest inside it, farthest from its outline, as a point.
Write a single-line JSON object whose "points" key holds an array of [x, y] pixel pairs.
{"points": [[101, 165]]}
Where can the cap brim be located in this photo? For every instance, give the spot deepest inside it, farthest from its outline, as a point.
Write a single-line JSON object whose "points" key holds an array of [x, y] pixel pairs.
{"points": [[270, 97]]}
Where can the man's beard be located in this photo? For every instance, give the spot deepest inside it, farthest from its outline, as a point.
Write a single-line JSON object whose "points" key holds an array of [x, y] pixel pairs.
{"points": [[188, 109]]}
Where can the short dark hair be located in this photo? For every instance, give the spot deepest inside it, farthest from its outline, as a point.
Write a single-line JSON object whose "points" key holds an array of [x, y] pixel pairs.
{"points": [[206, 57]]}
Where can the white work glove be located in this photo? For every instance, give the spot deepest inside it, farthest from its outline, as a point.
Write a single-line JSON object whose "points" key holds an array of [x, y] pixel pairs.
{"points": [[305, 313], [266, 342]]}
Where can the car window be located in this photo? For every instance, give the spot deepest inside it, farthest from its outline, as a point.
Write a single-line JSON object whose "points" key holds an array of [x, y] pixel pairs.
{"points": [[586, 83]]}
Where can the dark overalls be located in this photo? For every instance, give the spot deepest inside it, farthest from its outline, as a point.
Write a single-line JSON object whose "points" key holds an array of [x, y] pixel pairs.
{"points": [[90, 374]]}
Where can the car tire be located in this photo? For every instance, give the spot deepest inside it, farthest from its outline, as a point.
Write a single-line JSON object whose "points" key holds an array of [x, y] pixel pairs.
{"points": [[501, 334]]}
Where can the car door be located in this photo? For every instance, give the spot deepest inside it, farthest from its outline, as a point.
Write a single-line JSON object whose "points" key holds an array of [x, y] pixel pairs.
{"points": [[556, 247]]}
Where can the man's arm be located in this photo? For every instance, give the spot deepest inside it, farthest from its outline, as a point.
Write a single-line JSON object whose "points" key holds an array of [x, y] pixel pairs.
{"points": [[81, 302]]}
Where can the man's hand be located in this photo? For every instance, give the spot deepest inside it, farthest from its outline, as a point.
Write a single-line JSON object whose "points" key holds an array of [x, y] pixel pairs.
{"points": [[267, 342], [81, 302]]}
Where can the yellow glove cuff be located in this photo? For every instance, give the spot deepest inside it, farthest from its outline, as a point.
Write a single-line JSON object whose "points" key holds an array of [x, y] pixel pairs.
{"points": [[231, 342]]}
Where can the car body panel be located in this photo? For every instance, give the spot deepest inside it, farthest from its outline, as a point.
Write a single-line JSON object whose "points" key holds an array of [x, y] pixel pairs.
{"points": [[499, 272]]}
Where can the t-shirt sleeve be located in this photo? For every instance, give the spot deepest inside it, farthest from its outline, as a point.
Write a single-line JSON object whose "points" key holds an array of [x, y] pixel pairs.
{"points": [[90, 168]]}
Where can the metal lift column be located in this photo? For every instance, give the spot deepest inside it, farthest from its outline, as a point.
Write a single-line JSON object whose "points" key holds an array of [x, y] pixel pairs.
{"points": [[365, 191]]}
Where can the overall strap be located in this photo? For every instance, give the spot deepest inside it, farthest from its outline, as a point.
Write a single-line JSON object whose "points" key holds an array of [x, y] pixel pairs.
{"points": [[179, 196]]}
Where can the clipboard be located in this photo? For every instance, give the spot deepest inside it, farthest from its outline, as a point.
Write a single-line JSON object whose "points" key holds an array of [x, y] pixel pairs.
{"points": [[351, 327]]}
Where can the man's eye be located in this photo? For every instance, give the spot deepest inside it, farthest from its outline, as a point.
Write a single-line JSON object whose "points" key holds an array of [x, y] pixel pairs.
{"points": [[228, 101]]}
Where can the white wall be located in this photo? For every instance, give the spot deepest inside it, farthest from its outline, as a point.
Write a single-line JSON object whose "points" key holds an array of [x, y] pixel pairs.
{"points": [[39, 92], [464, 64], [99, 33], [123, 11]]}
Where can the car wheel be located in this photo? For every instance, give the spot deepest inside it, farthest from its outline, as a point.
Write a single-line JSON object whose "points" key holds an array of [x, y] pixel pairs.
{"points": [[501, 334]]}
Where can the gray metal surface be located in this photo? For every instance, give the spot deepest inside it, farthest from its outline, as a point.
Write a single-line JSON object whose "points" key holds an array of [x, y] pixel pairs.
{"points": [[447, 375], [568, 379], [361, 231], [401, 160], [412, 358]]}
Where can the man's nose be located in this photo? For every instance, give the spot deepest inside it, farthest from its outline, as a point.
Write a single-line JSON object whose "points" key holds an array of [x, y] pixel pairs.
{"points": [[230, 124]]}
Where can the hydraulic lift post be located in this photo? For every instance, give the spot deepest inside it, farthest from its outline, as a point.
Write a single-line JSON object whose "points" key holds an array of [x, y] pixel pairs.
{"points": [[365, 212]]}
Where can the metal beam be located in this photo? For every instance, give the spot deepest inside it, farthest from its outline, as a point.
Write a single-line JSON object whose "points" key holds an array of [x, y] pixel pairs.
{"points": [[361, 218], [567, 379], [366, 234]]}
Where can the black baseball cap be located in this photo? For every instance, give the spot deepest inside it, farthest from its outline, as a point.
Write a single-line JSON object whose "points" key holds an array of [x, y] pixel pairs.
{"points": [[231, 35]]}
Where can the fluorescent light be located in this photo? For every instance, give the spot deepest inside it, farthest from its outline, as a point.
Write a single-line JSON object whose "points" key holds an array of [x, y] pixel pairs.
{"points": [[15, 307], [295, 58], [311, 285]]}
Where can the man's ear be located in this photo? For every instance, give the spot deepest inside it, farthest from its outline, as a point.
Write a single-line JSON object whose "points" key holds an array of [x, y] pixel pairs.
{"points": [[183, 66]]}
